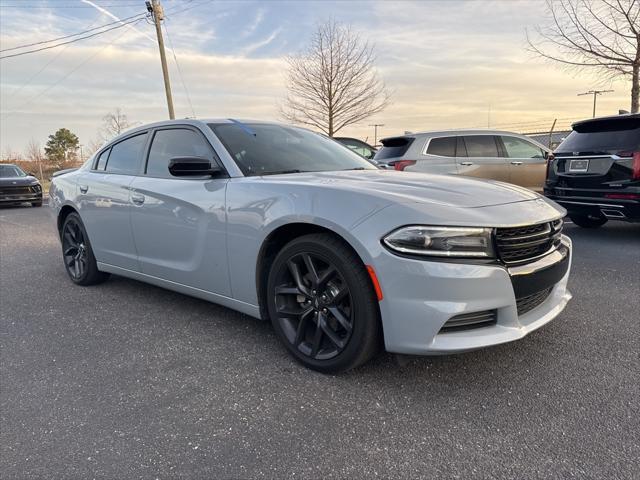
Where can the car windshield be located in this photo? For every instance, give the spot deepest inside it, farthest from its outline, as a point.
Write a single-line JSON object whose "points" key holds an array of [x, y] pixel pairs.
{"points": [[11, 171], [267, 149]]}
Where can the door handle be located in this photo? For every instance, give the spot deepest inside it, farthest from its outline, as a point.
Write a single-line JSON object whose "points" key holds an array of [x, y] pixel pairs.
{"points": [[137, 198], [466, 164], [516, 163], [84, 188]]}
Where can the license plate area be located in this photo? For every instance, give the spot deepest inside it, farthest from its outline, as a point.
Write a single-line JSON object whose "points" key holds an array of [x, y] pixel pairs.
{"points": [[579, 166]]}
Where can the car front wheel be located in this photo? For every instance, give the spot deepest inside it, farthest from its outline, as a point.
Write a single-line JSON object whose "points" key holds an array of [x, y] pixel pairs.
{"points": [[588, 221], [322, 304], [77, 253]]}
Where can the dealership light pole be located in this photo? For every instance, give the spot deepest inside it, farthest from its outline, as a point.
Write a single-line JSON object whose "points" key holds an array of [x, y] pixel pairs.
{"points": [[595, 94], [375, 132], [157, 14]]}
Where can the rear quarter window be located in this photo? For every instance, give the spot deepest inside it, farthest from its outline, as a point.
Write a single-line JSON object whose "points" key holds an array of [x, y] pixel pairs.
{"points": [[442, 147]]}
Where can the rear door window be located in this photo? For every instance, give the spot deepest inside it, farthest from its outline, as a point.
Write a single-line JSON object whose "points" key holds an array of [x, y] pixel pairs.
{"points": [[481, 146], [519, 148], [443, 147], [175, 142], [125, 155]]}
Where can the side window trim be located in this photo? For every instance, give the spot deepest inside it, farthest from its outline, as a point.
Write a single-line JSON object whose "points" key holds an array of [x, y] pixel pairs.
{"points": [[179, 126]]}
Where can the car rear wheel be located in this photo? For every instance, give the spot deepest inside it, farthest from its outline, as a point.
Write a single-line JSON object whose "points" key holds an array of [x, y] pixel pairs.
{"points": [[77, 253], [588, 221], [322, 304]]}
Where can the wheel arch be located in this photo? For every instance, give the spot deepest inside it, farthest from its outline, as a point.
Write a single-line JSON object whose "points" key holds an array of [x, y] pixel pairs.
{"points": [[276, 240], [63, 214]]}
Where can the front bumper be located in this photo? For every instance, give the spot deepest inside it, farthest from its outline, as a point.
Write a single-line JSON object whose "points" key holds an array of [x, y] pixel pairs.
{"points": [[421, 296], [17, 199]]}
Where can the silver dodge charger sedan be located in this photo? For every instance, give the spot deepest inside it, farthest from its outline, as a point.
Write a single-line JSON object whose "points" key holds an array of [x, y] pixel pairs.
{"points": [[285, 224]]}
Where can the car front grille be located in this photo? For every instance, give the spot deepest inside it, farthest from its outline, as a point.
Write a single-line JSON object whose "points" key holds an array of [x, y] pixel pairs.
{"points": [[528, 303], [19, 189], [467, 321], [523, 244]]}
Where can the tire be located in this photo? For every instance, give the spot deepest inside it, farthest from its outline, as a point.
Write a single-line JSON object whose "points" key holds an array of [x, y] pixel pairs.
{"points": [[328, 319], [77, 253], [588, 221], [36, 204]]}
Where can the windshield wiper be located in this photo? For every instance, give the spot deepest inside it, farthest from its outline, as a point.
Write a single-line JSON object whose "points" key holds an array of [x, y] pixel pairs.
{"points": [[281, 172], [349, 169]]}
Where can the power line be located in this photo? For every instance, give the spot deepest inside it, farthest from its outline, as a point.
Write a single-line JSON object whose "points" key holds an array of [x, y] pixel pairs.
{"points": [[72, 35], [72, 41], [68, 6], [71, 72], [179, 70]]}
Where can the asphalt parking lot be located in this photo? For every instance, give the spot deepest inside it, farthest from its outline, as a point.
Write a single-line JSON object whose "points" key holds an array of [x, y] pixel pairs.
{"points": [[126, 380]]}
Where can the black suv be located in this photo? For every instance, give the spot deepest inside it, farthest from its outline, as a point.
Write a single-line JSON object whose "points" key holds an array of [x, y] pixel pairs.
{"points": [[595, 172], [17, 187]]}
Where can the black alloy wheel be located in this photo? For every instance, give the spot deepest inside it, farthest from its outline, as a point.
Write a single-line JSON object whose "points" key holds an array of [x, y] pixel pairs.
{"points": [[322, 304], [77, 253]]}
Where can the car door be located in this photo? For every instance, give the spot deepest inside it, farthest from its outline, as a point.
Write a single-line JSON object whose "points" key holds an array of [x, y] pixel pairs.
{"points": [[479, 156], [179, 223], [104, 201], [527, 162]]}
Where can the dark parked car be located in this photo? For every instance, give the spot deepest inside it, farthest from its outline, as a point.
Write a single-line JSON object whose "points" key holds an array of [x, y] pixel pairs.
{"points": [[595, 174], [17, 187], [361, 148]]}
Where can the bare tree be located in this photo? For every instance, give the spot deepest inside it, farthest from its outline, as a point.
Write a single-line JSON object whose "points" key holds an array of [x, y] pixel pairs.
{"points": [[114, 123], [34, 153], [603, 35], [334, 83]]}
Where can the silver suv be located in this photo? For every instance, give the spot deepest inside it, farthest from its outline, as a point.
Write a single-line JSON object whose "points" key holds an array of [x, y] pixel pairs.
{"points": [[491, 154]]}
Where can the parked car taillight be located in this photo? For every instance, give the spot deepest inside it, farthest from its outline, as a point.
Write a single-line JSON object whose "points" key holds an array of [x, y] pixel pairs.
{"points": [[402, 164], [550, 159], [635, 165]]}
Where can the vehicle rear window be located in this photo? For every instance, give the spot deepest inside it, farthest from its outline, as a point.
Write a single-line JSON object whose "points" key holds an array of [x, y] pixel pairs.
{"points": [[125, 155], [393, 147], [615, 134], [481, 146], [444, 147]]}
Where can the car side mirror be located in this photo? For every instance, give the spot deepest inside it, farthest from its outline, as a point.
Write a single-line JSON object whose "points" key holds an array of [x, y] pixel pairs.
{"points": [[192, 167]]}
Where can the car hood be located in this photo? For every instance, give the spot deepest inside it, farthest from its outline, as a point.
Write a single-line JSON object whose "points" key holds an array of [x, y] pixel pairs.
{"points": [[408, 187], [18, 181]]}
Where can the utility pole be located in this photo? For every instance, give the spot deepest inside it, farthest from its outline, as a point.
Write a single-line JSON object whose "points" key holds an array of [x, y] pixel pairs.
{"points": [[157, 14], [595, 94], [375, 132]]}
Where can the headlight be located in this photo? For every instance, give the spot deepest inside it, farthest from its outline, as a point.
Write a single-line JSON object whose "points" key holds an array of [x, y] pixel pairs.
{"points": [[442, 241]]}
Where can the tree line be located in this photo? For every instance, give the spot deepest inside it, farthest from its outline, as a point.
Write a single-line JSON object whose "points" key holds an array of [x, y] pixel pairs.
{"points": [[63, 150]]}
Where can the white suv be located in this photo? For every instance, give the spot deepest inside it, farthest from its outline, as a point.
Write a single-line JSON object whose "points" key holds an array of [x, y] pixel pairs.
{"points": [[490, 154]]}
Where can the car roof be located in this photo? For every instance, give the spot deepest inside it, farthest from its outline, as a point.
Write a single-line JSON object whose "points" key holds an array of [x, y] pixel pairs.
{"points": [[189, 121], [623, 116]]}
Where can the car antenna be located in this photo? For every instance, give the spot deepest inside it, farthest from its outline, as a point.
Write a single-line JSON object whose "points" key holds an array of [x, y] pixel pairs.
{"points": [[242, 126]]}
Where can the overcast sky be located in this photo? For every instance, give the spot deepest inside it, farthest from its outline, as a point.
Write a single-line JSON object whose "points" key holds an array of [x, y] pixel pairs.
{"points": [[449, 64]]}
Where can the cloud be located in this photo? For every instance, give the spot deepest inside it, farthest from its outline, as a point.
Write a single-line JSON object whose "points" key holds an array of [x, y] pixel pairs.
{"points": [[249, 49], [255, 24]]}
